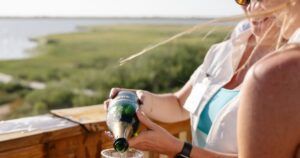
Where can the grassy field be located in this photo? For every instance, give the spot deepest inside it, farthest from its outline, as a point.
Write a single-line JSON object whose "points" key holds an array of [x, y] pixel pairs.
{"points": [[80, 68]]}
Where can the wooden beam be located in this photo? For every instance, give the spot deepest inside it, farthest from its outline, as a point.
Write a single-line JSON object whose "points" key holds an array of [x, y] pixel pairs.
{"points": [[76, 132]]}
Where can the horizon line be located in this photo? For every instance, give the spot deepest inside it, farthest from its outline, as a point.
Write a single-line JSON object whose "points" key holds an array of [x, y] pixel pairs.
{"points": [[108, 17]]}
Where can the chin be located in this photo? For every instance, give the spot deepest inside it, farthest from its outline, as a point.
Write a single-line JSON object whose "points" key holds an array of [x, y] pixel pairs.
{"points": [[260, 28], [257, 31]]}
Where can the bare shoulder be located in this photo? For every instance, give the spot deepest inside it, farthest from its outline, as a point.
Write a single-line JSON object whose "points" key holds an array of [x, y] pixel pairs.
{"points": [[281, 69], [270, 104], [275, 80]]}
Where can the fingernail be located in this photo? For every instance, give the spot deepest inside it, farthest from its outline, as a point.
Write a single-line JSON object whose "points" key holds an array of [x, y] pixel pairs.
{"points": [[138, 110], [139, 93], [109, 95], [141, 112]]}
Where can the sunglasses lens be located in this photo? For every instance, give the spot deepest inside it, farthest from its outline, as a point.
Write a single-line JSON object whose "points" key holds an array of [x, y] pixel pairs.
{"points": [[243, 2]]}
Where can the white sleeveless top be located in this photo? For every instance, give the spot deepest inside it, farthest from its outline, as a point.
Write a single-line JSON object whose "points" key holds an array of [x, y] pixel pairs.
{"points": [[216, 70]]}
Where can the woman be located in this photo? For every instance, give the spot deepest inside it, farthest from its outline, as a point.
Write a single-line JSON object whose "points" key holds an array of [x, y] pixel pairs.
{"points": [[220, 75], [269, 117]]}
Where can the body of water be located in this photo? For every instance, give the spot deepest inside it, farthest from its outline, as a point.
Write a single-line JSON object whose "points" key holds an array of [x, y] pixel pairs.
{"points": [[15, 33]]}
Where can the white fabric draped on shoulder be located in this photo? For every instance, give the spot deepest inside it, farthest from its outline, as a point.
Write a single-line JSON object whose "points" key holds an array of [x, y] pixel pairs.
{"points": [[295, 38], [216, 70]]}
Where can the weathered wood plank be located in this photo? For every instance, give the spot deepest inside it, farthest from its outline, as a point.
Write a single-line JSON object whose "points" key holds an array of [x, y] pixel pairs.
{"points": [[77, 132], [94, 117], [93, 145], [36, 151], [67, 147], [91, 117], [83, 115], [35, 130]]}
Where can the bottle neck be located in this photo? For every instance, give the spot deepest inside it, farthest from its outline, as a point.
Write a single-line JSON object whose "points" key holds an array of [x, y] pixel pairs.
{"points": [[121, 130], [121, 145]]}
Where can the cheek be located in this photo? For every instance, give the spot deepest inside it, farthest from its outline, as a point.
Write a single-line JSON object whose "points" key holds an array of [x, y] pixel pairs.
{"points": [[273, 3]]}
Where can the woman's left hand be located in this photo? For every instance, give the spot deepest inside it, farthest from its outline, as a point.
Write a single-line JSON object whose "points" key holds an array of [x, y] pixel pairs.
{"points": [[155, 138]]}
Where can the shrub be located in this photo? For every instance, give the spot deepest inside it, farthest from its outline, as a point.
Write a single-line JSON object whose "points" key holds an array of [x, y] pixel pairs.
{"points": [[53, 97], [83, 100], [40, 108], [12, 87]]}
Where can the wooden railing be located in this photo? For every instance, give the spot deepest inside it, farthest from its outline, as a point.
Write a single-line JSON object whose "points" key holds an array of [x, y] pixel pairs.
{"points": [[66, 133]]}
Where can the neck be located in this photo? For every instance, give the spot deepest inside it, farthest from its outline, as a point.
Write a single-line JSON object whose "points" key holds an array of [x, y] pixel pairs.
{"points": [[293, 21]]}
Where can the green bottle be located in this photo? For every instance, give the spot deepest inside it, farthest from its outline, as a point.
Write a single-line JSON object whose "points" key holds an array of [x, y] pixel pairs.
{"points": [[122, 120]]}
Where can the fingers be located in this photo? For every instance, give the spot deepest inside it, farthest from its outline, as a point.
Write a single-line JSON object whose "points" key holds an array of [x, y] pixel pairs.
{"points": [[113, 92], [145, 120], [109, 135], [141, 96], [136, 142], [106, 104]]}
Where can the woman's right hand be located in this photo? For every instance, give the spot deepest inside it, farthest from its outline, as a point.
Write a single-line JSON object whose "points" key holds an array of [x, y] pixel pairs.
{"points": [[142, 95]]}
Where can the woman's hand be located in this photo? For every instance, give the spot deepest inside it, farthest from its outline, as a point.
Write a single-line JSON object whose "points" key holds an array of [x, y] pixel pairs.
{"points": [[112, 94], [143, 96], [155, 138]]}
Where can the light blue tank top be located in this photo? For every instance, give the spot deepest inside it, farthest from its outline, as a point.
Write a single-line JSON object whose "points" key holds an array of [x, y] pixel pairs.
{"points": [[213, 107]]}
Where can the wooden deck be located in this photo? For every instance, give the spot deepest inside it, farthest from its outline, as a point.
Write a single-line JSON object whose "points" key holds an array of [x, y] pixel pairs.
{"points": [[66, 133]]}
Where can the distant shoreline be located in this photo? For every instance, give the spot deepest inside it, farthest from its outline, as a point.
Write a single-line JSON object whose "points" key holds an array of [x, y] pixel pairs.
{"points": [[108, 17], [14, 41]]}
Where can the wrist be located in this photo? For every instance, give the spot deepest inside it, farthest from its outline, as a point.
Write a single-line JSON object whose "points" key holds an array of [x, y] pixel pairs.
{"points": [[185, 151], [177, 146]]}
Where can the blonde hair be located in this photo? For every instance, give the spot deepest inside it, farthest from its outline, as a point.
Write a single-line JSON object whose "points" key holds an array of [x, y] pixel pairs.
{"points": [[276, 9]]}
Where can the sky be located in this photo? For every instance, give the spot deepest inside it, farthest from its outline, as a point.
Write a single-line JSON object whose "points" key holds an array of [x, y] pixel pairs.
{"points": [[120, 8]]}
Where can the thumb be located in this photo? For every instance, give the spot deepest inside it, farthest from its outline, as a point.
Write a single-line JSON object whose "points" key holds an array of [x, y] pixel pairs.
{"points": [[145, 120]]}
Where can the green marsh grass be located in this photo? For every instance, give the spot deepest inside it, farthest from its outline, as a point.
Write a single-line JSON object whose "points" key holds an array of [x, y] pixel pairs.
{"points": [[69, 64]]}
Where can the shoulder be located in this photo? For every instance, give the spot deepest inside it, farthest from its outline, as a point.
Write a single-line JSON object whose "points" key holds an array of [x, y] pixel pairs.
{"points": [[270, 99], [285, 62], [278, 72]]}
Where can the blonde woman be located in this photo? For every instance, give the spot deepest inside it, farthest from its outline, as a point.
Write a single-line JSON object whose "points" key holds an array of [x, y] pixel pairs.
{"points": [[269, 116], [218, 78]]}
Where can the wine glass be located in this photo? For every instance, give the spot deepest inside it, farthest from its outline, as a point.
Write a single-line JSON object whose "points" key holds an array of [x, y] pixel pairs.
{"points": [[131, 153]]}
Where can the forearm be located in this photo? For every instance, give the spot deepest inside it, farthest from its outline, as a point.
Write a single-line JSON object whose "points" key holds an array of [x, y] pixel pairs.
{"points": [[165, 108], [203, 153]]}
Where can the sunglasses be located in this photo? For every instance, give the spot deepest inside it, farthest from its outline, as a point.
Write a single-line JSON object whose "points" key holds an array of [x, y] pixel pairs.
{"points": [[243, 2]]}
